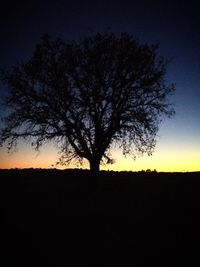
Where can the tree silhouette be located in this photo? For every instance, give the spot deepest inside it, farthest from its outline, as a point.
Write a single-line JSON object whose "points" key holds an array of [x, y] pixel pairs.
{"points": [[87, 95]]}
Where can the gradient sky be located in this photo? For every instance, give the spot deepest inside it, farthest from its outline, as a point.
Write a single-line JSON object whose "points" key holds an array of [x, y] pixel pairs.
{"points": [[174, 25]]}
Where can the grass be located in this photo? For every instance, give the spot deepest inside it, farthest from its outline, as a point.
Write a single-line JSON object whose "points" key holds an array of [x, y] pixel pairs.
{"points": [[62, 217]]}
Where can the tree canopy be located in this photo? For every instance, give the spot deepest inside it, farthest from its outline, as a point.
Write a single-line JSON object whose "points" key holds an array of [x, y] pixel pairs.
{"points": [[87, 95]]}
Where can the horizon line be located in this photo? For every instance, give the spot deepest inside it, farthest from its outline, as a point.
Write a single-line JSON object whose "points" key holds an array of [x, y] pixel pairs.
{"points": [[81, 169]]}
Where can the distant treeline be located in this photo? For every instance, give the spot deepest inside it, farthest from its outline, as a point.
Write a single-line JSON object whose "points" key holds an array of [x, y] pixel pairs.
{"points": [[84, 174], [77, 170]]}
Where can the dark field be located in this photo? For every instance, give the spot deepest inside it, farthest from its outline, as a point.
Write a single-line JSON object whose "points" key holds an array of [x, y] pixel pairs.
{"points": [[61, 217]]}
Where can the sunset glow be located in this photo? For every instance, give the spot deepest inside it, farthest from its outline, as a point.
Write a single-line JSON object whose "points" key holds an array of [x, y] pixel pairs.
{"points": [[167, 160]]}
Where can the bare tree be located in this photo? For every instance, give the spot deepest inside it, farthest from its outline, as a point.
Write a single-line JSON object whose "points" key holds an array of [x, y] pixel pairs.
{"points": [[86, 96]]}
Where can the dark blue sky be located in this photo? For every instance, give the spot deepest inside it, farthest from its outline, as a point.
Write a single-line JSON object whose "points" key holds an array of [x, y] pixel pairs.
{"points": [[173, 24]]}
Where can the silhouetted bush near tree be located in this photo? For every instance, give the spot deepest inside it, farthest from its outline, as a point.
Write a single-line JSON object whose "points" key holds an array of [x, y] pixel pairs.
{"points": [[86, 96]]}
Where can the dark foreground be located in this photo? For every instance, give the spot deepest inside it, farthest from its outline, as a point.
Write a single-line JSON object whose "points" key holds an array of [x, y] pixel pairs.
{"points": [[60, 218]]}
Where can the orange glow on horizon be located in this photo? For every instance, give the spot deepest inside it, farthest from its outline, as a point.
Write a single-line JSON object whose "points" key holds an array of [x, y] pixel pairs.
{"points": [[167, 161]]}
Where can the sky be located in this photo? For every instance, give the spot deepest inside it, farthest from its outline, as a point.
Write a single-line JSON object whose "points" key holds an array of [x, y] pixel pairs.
{"points": [[175, 25]]}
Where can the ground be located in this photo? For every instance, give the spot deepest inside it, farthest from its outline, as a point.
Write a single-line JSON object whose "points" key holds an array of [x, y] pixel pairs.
{"points": [[62, 217]]}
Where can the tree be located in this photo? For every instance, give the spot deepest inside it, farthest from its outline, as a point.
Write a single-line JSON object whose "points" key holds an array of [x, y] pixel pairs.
{"points": [[87, 95]]}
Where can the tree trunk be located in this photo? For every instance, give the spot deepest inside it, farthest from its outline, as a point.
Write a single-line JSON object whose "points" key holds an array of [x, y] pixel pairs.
{"points": [[94, 171], [94, 166]]}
